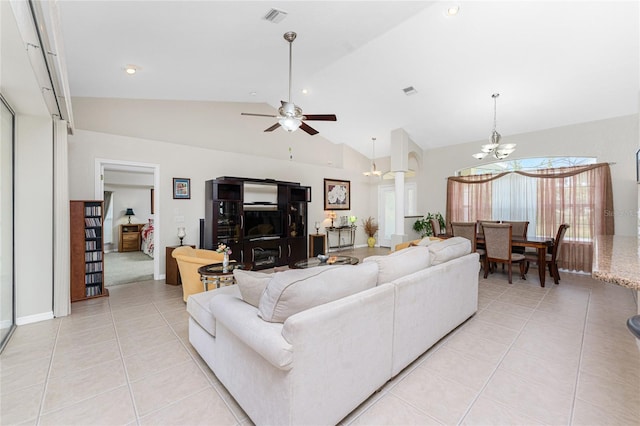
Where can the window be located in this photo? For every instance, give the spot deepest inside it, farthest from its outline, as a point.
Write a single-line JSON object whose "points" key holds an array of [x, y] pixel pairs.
{"points": [[526, 164], [579, 196]]}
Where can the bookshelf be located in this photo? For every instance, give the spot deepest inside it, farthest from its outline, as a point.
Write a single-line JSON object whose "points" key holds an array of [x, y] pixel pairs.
{"points": [[87, 254]]}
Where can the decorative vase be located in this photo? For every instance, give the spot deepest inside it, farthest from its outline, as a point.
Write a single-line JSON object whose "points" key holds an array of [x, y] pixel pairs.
{"points": [[225, 263], [371, 241]]}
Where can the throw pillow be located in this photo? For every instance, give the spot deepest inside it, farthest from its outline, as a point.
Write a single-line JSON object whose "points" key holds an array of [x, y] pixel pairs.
{"points": [[448, 249], [427, 241], [251, 285], [400, 263], [297, 290]]}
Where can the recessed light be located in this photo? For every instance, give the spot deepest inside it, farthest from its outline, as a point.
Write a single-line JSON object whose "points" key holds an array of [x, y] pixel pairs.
{"points": [[305, 91], [131, 69], [452, 11]]}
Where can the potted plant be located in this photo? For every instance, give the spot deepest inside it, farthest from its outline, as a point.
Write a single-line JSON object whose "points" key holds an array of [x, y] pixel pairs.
{"points": [[423, 226], [370, 228]]}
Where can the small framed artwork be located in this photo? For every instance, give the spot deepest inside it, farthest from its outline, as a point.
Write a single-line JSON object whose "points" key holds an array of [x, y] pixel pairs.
{"points": [[337, 194], [181, 188]]}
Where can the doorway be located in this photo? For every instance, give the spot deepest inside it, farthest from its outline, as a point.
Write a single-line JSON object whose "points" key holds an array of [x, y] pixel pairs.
{"points": [[105, 165], [387, 210]]}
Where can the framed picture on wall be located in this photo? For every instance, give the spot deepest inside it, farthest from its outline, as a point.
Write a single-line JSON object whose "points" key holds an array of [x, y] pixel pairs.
{"points": [[337, 194], [181, 188]]}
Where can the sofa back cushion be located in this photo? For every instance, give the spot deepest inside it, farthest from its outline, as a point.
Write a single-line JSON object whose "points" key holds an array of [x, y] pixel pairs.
{"points": [[400, 263], [251, 285], [297, 290], [451, 248]]}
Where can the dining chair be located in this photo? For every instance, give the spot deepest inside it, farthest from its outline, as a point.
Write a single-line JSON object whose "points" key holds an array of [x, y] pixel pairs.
{"points": [[551, 259], [497, 239], [519, 230], [435, 226], [479, 222], [468, 230]]}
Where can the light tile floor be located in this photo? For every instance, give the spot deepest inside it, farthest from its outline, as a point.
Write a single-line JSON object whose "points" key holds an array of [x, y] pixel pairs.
{"points": [[531, 355]]}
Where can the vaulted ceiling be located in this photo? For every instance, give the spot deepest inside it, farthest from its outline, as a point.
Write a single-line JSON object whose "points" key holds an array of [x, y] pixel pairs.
{"points": [[554, 63]]}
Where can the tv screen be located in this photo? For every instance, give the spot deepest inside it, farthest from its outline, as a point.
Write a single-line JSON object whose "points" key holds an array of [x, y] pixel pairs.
{"points": [[262, 223]]}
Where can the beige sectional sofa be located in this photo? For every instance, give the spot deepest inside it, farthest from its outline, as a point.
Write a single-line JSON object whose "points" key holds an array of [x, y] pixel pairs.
{"points": [[304, 347]]}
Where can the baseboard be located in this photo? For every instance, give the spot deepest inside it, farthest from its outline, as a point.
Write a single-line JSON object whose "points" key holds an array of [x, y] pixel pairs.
{"points": [[29, 319]]}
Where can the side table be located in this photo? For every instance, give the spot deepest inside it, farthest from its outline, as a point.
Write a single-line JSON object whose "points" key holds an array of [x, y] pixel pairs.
{"points": [[172, 272], [317, 244], [217, 275]]}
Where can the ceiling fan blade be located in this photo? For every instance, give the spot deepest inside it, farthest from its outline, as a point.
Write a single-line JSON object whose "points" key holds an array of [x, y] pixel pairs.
{"points": [[304, 126], [272, 128], [258, 115], [320, 117]]}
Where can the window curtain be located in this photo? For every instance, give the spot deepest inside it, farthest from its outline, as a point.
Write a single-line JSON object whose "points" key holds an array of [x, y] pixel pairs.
{"points": [[580, 196]]}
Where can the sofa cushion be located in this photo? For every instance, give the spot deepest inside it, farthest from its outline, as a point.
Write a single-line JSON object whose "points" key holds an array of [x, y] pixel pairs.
{"points": [[427, 241], [251, 284], [198, 306], [297, 290], [400, 263], [451, 248]]}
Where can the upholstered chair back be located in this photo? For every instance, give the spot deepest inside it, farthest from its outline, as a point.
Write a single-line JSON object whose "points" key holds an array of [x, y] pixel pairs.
{"points": [[497, 239], [518, 228], [465, 230]]}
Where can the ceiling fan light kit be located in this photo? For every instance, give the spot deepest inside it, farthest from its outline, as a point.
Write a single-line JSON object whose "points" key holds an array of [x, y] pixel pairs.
{"points": [[495, 148], [290, 115]]}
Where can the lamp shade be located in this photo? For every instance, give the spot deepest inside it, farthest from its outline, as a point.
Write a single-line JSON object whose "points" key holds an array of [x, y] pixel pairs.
{"points": [[129, 212]]}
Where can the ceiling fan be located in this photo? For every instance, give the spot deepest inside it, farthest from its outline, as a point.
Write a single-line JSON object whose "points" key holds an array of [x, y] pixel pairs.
{"points": [[290, 115]]}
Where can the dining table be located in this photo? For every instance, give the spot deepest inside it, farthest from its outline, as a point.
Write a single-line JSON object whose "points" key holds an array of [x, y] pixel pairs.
{"points": [[541, 244]]}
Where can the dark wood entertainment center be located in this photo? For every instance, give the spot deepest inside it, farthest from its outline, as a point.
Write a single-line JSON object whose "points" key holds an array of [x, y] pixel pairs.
{"points": [[264, 221]]}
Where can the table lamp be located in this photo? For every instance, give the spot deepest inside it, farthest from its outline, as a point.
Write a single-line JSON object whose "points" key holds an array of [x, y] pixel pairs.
{"points": [[332, 215], [181, 234], [129, 213]]}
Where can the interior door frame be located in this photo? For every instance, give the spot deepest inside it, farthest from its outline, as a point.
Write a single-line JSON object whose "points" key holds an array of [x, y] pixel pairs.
{"points": [[100, 164], [382, 240]]}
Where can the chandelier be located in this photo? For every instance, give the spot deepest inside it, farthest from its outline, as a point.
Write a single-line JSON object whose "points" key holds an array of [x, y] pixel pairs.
{"points": [[495, 148], [374, 171]]}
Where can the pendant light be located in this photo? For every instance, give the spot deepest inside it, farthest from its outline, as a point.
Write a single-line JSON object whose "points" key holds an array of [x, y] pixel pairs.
{"points": [[374, 171], [495, 148]]}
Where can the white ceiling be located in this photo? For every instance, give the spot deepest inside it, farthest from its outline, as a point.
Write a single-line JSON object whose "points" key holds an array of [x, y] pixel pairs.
{"points": [[553, 63]]}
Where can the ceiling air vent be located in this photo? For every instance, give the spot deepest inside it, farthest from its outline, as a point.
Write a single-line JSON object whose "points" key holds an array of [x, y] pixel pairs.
{"points": [[275, 15], [409, 90]]}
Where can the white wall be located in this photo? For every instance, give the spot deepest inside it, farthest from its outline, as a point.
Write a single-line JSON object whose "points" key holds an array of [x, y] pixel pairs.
{"points": [[201, 164], [613, 140], [33, 175]]}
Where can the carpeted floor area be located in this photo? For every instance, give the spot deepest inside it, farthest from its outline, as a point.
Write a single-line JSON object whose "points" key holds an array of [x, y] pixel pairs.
{"points": [[127, 267]]}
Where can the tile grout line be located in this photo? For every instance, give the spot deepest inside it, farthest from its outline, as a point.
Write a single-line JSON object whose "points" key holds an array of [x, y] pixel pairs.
{"points": [[124, 366], [239, 421], [484, 386], [46, 382], [577, 381]]}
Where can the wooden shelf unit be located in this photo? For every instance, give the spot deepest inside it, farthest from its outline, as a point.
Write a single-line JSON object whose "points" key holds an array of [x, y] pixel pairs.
{"points": [[130, 237], [87, 250]]}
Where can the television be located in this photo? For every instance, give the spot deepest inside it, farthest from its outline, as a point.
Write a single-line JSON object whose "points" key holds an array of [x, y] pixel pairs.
{"points": [[262, 223]]}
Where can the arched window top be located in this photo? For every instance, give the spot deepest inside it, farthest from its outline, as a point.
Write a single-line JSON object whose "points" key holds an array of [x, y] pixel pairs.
{"points": [[526, 164]]}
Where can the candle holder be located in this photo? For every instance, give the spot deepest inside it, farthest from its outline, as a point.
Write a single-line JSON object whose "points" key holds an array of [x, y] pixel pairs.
{"points": [[181, 234], [317, 227]]}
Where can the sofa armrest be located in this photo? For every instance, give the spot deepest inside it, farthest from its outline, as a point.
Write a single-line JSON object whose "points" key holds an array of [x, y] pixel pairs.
{"points": [[264, 337]]}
